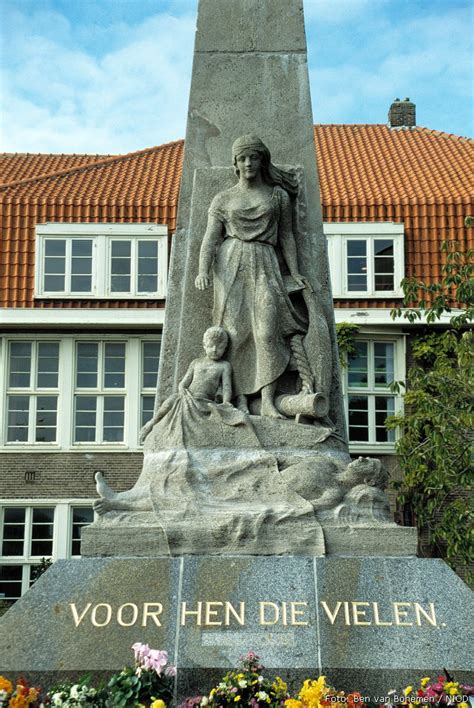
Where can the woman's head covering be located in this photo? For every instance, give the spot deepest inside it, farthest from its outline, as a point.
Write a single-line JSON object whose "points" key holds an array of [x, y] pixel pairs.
{"points": [[271, 173]]}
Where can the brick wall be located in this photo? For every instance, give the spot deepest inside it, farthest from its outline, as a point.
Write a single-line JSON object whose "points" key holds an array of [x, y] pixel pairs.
{"points": [[65, 475]]}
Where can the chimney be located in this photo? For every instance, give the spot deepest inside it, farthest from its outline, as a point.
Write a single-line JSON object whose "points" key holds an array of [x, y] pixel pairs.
{"points": [[402, 114]]}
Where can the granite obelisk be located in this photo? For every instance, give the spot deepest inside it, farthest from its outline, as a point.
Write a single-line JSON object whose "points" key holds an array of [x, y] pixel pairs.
{"points": [[250, 75]]}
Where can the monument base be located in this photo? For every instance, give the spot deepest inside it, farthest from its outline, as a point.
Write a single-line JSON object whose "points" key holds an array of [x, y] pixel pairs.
{"points": [[106, 539], [368, 624]]}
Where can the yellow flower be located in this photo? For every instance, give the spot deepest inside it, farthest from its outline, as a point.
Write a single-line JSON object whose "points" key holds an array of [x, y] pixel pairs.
{"points": [[407, 690], [158, 703], [293, 703], [463, 705], [424, 681], [313, 691], [5, 685], [237, 698], [451, 688], [279, 686]]}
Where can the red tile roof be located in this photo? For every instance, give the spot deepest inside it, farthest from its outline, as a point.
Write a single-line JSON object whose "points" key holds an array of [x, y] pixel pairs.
{"points": [[15, 166], [367, 173]]}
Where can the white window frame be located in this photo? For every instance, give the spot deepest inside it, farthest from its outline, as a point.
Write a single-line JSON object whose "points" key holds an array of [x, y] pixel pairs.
{"points": [[65, 415], [32, 392], [62, 532], [100, 392], [145, 390], [399, 342], [101, 236], [338, 234]]}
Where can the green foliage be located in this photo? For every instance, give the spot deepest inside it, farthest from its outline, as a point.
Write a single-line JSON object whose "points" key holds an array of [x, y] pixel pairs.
{"points": [[131, 688], [346, 334], [4, 606], [42, 567], [435, 446], [455, 291]]}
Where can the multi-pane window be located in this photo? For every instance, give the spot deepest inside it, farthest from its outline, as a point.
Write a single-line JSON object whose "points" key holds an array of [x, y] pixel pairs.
{"points": [[76, 391], [27, 534], [99, 408], [30, 533], [370, 265], [32, 392], [101, 260], [150, 361], [365, 259], [370, 373], [67, 266], [80, 516], [134, 266]]}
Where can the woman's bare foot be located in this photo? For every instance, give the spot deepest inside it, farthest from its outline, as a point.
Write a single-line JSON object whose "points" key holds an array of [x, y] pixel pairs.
{"points": [[270, 411], [103, 488], [268, 407]]}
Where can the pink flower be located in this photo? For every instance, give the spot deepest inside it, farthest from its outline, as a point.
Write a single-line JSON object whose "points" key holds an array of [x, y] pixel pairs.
{"points": [[170, 671], [157, 660], [140, 650]]}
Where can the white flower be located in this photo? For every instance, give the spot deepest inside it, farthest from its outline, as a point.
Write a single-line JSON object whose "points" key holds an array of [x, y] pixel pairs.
{"points": [[222, 684], [204, 701], [243, 683], [74, 692], [260, 679], [262, 695]]}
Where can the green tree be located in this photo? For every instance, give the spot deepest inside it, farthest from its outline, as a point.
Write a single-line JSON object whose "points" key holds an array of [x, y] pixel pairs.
{"points": [[435, 444]]}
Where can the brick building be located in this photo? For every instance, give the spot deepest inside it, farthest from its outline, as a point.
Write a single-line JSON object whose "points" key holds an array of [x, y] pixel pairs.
{"points": [[84, 254]]}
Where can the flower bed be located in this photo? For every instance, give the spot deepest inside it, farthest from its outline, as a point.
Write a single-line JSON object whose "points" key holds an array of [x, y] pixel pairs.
{"points": [[149, 684]]}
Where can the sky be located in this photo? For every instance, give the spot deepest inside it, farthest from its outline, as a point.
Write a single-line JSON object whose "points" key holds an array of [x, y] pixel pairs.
{"points": [[113, 76]]}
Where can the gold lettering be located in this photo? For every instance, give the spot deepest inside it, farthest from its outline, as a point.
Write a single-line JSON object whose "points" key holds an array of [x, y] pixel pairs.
{"points": [[377, 619], [147, 612], [420, 611], [120, 610], [356, 613], [108, 614], [346, 613], [401, 613], [271, 606], [294, 612], [185, 612], [209, 612], [229, 608], [78, 618], [284, 617], [332, 617]]}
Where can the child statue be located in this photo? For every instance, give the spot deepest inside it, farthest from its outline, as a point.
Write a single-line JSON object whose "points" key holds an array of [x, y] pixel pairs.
{"points": [[192, 418]]}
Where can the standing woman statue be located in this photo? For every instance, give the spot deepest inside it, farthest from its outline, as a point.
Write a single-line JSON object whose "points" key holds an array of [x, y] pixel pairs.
{"points": [[245, 226]]}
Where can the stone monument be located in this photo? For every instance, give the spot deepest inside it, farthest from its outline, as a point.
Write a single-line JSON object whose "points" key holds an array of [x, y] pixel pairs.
{"points": [[250, 527]]}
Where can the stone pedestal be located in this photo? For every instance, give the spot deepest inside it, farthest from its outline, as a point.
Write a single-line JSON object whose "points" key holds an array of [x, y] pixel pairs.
{"points": [[371, 624]]}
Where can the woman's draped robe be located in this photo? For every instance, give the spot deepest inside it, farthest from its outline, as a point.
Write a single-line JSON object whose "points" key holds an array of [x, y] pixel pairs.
{"points": [[250, 298]]}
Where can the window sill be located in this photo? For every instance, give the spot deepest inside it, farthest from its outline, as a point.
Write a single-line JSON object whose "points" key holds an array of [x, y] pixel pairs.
{"points": [[91, 296], [368, 296], [372, 448], [78, 447]]}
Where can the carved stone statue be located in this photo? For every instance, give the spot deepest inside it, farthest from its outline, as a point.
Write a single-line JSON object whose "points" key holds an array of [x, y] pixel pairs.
{"points": [[246, 225], [219, 478], [186, 420]]}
